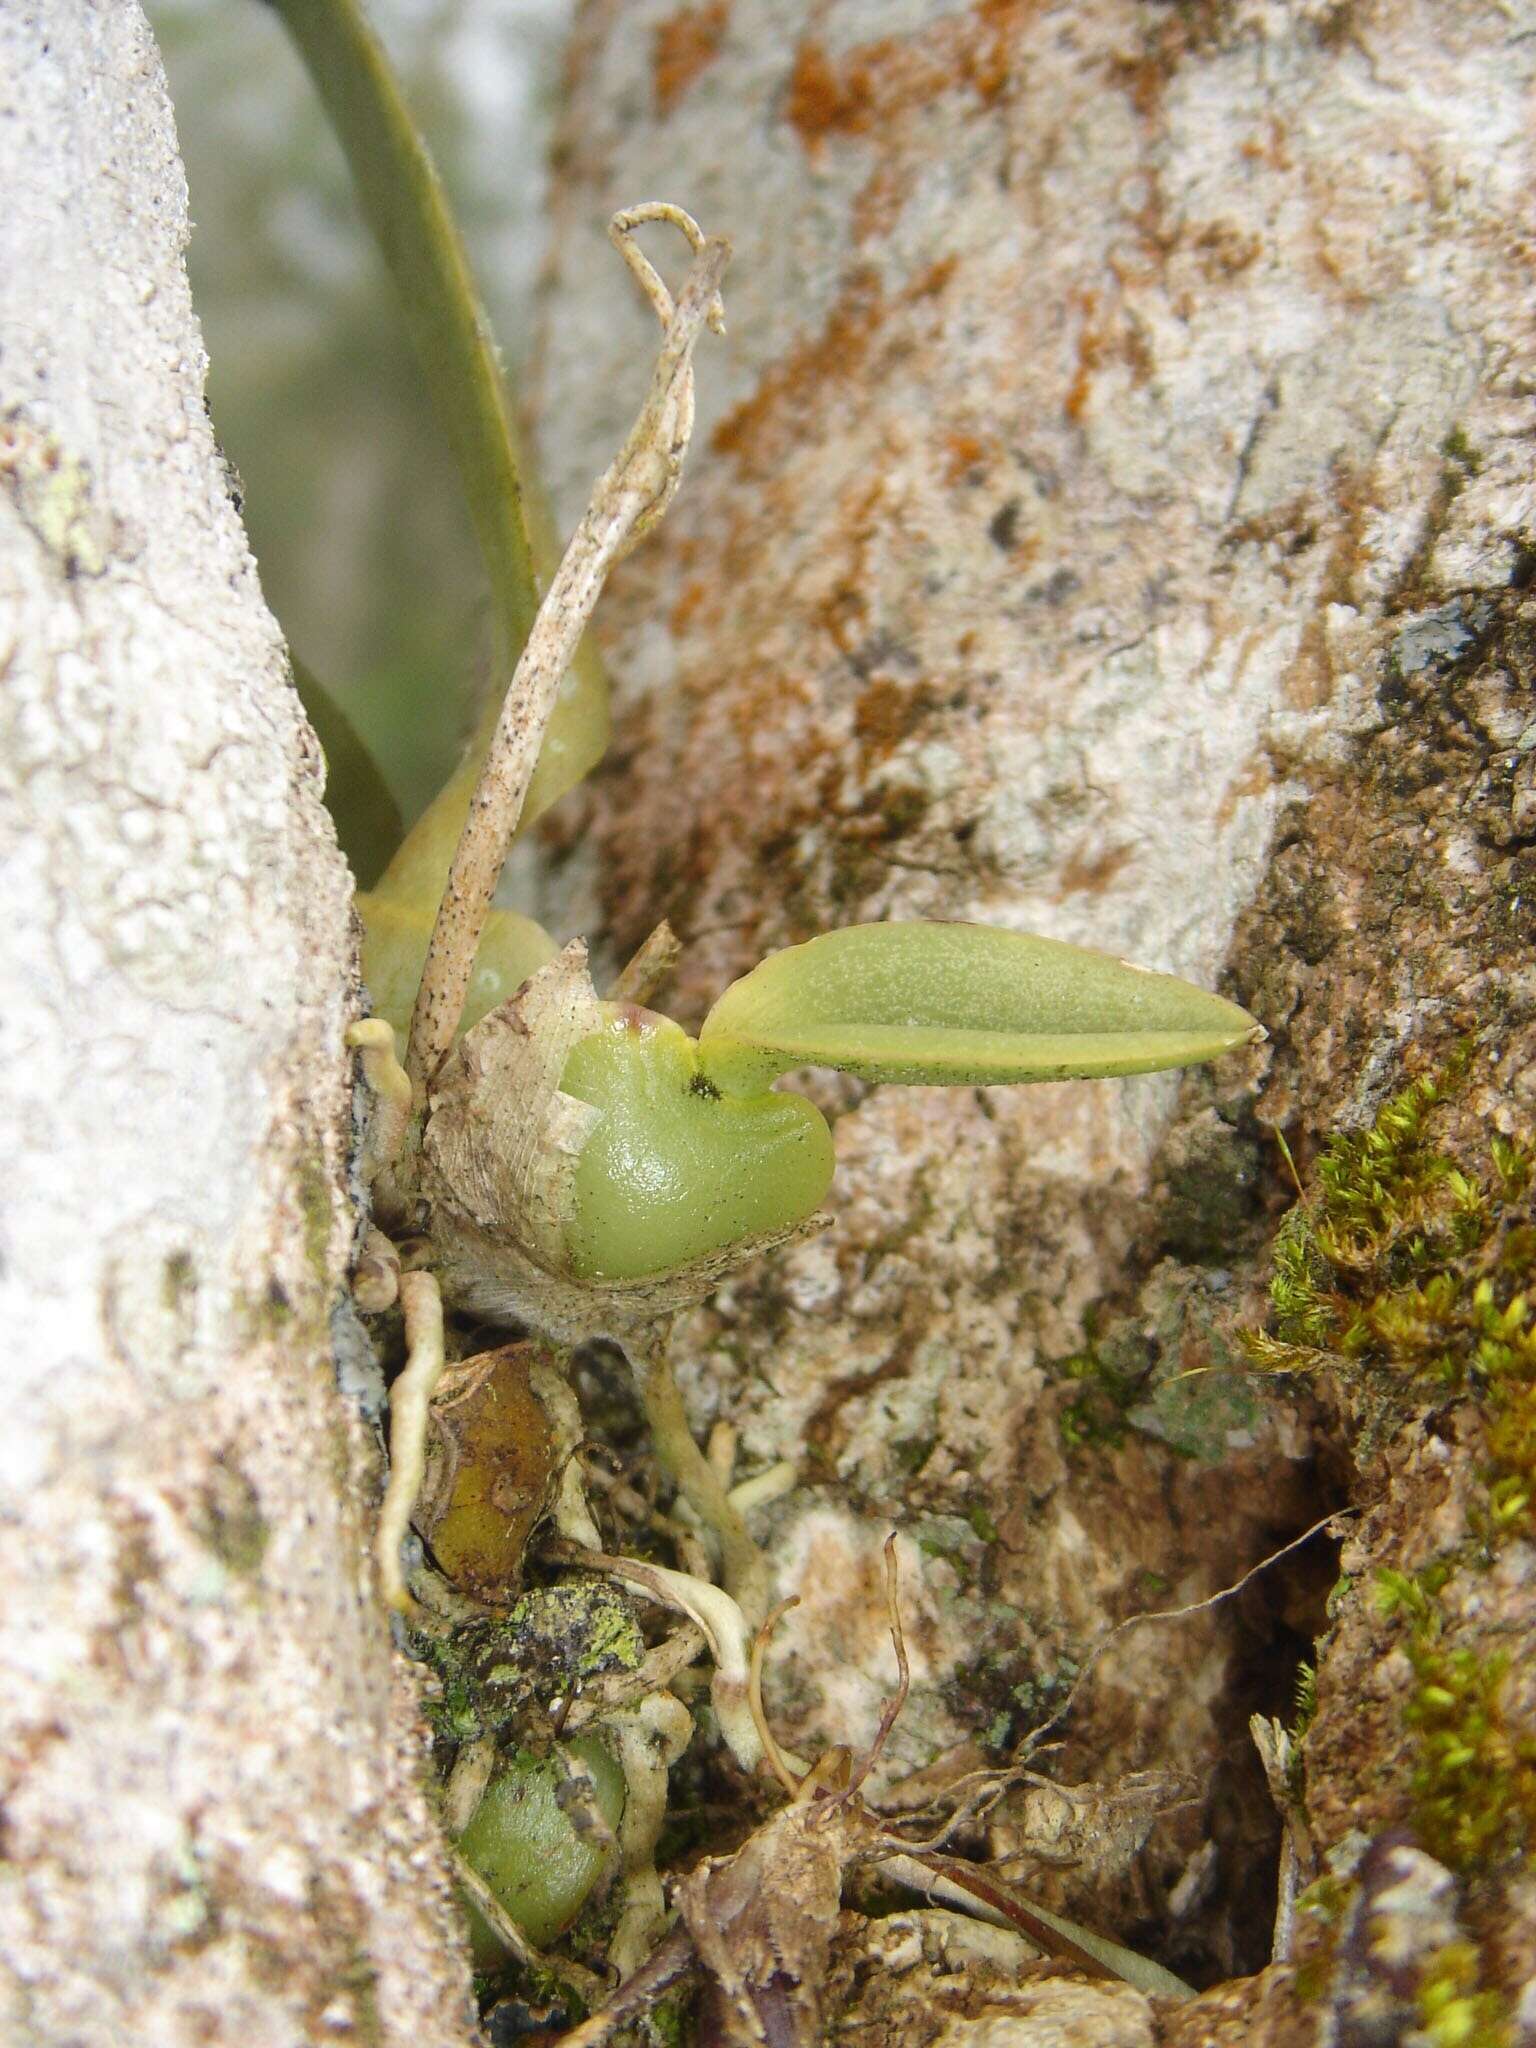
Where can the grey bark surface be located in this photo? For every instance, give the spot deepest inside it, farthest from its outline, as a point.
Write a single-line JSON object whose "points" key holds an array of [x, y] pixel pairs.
{"points": [[1110, 516], [215, 1827]]}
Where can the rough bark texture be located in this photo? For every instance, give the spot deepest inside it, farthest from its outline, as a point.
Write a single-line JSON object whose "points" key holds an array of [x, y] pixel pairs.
{"points": [[1110, 517], [214, 1828]]}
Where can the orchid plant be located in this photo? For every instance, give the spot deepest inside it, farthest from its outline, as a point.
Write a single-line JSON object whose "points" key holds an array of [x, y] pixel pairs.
{"points": [[569, 1161]]}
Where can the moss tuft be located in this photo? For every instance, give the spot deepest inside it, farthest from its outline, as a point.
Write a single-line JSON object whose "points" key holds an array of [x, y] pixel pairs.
{"points": [[1454, 2012], [1474, 1780], [1407, 1272], [1408, 1275]]}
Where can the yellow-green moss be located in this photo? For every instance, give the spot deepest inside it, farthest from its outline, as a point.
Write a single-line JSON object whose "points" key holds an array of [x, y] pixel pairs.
{"points": [[494, 1672], [1473, 1781], [1406, 1274], [1454, 2012]]}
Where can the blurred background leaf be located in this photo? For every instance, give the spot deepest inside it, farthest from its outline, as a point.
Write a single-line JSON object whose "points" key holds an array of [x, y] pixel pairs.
{"points": [[351, 499]]}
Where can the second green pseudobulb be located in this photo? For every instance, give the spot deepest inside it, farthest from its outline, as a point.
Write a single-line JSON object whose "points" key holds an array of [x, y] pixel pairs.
{"points": [[674, 1170]]}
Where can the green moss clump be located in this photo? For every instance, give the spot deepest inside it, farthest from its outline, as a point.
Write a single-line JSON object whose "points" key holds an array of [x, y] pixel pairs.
{"points": [[1454, 2012], [1474, 1780], [494, 1673], [1405, 1273], [1113, 1373]]}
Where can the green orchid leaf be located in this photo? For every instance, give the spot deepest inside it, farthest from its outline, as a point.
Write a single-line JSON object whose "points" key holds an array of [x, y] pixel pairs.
{"points": [[365, 814], [945, 1004], [402, 200], [395, 938]]}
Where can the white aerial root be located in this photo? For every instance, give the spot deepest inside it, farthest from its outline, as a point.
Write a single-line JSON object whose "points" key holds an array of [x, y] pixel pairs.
{"points": [[627, 501], [374, 1041], [572, 1516], [764, 1487], [697, 1478], [725, 1629], [650, 1739], [376, 1276], [409, 1399]]}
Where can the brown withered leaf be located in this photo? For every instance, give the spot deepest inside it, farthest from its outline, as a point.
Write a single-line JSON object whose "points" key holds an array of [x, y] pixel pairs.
{"points": [[492, 1469]]}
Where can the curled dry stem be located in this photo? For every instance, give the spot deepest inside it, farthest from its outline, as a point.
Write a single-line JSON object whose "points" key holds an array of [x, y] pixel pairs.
{"points": [[1033, 1742], [627, 501], [409, 1399], [898, 1699], [790, 1779]]}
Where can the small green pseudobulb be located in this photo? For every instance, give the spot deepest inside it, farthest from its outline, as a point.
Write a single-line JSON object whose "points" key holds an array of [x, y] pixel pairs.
{"points": [[395, 936], [541, 1869], [673, 1170]]}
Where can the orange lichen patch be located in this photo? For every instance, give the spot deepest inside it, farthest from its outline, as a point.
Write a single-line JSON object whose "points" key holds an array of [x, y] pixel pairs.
{"points": [[1090, 354], [1090, 870], [1169, 36], [691, 598], [886, 713], [991, 66], [1309, 678], [965, 459], [682, 47], [795, 390], [931, 283], [824, 102], [839, 353], [980, 51], [1224, 249], [1255, 779], [1104, 337], [878, 206]]}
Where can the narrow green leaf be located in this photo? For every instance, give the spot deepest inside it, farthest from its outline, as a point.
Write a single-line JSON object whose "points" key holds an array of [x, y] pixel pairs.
{"points": [[402, 200], [959, 1003], [365, 814]]}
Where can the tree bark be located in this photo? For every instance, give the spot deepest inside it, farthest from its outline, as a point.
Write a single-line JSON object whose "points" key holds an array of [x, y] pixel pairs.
{"points": [[1111, 517], [214, 1820]]}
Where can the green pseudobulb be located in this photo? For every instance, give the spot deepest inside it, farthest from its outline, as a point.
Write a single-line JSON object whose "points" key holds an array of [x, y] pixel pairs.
{"points": [[395, 936], [530, 1855], [673, 1169]]}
